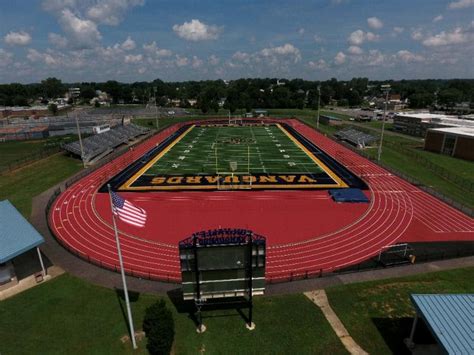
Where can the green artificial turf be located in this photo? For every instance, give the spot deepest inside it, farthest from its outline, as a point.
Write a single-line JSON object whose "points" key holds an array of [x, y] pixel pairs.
{"points": [[211, 150]]}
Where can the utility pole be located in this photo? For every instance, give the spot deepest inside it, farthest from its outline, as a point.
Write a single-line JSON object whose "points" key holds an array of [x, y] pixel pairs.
{"points": [[157, 121], [385, 89], [80, 140], [319, 103]]}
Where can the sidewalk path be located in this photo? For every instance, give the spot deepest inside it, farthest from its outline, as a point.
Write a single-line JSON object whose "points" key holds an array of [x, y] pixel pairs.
{"points": [[320, 299]]}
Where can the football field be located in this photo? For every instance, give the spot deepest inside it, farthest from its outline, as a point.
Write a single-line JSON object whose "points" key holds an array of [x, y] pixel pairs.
{"points": [[234, 157]]}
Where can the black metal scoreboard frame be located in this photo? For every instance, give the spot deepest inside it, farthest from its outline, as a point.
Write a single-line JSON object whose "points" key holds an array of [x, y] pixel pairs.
{"points": [[222, 263]]}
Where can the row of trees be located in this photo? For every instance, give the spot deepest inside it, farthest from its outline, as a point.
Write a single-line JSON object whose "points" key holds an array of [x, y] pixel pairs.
{"points": [[249, 93]]}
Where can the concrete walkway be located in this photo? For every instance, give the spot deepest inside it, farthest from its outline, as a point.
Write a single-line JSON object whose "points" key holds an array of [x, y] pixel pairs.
{"points": [[320, 299]]}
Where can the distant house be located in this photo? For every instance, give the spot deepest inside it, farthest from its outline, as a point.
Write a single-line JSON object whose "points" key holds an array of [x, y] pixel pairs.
{"points": [[330, 120], [260, 113]]}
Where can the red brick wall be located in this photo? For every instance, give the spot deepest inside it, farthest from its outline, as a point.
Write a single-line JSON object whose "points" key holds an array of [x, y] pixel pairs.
{"points": [[465, 148], [434, 141]]}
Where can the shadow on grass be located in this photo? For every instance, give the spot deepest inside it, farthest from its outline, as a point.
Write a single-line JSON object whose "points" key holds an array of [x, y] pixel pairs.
{"points": [[209, 310], [132, 296], [395, 330]]}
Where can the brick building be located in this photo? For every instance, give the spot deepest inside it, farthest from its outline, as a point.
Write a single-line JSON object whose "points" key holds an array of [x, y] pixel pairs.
{"points": [[454, 141]]}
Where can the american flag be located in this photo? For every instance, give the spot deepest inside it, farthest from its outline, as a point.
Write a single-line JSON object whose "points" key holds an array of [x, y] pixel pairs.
{"points": [[127, 212]]}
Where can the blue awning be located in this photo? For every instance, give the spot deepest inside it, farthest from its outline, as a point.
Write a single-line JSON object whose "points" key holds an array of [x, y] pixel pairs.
{"points": [[17, 235], [450, 320]]}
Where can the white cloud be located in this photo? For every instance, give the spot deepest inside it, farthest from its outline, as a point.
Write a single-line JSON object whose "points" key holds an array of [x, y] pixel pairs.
{"points": [[242, 56], [196, 30], [197, 63], [438, 18], [375, 58], [181, 61], [21, 38], [128, 44], [457, 36], [57, 40], [374, 23], [372, 37], [154, 50], [318, 39], [301, 31], [133, 58], [6, 58], [340, 58], [417, 34], [358, 37], [409, 57], [110, 12], [84, 33], [460, 4], [141, 70], [319, 64], [213, 60], [285, 50], [47, 58], [56, 5], [355, 50], [398, 29]]}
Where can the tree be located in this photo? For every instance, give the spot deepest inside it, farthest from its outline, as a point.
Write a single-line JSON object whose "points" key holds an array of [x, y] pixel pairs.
{"points": [[450, 97], [421, 100], [52, 88], [87, 93], [53, 108], [158, 325]]}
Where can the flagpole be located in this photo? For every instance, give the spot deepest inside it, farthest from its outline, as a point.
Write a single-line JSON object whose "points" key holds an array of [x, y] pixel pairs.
{"points": [[122, 271]]}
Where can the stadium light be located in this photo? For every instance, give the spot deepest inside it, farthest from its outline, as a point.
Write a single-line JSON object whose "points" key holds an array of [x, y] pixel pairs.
{"points": [[156, 111], [319, 103], [80, 140], [385, 89]]}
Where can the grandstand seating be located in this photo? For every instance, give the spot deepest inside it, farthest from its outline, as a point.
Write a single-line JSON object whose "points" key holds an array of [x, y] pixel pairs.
{"points": [[355, 137], [101, 144]]}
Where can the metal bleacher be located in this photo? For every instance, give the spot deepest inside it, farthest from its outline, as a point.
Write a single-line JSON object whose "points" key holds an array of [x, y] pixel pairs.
{"points": [[355, 137], [99, 145]]}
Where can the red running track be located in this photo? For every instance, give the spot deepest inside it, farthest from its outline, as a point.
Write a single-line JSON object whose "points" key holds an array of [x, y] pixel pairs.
{"points": [[306, 231]]}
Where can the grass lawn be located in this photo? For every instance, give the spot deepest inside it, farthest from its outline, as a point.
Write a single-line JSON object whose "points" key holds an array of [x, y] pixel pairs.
{"points": [[15, 151], [23, 184], [460, 167], [378, 315], [409, 166], [68, 315]]}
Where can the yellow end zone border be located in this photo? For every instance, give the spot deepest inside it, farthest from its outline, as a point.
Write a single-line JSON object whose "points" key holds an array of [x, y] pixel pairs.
{"points": [[127, 185], [318, 162]]}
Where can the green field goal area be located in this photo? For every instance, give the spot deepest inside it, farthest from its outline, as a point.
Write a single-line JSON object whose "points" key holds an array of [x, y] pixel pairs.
{"points": [[233, 157]]}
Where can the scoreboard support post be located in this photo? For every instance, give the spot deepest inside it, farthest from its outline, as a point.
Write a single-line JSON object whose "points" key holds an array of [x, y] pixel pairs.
{"points": [[224, 263]]}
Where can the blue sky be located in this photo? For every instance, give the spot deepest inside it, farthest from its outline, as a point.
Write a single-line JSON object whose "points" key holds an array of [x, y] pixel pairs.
{"points": [[134, 40]]}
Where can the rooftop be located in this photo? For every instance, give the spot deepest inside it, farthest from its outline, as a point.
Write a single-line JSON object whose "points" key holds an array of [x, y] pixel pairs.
{"points": [[438, 118], [449, 318], [17, 235], [459, 131], [426, 115]]}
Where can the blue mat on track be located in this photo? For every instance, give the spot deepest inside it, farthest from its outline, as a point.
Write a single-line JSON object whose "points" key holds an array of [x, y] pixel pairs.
{"points": [[348, 195]]}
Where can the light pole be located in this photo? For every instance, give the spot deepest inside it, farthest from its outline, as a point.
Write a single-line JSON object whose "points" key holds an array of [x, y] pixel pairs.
{"points": [[385, 89], [156, 111], [319, 104], [80, 140]]}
